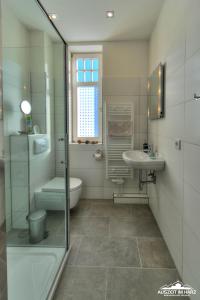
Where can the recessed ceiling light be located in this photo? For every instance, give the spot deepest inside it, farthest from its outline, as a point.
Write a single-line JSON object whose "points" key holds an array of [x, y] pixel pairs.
{"points": [[110, 13], [52, 16]]}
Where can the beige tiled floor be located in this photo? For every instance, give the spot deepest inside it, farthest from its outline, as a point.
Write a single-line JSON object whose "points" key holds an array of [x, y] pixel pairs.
{"points": [[117, 254]]}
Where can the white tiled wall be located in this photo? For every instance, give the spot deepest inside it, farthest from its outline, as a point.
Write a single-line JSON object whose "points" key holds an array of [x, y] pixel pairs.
{"points": [[3, 286], [41, 166], [124, 80], [19, 176], [28, 173], [2, 200], [59, 108], [28, 74], [176, 197], [16, 83], [42, 81]]}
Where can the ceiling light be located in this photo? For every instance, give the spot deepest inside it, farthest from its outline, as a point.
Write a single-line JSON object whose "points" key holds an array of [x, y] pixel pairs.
{"points": [[110, 13], [52, 16]]}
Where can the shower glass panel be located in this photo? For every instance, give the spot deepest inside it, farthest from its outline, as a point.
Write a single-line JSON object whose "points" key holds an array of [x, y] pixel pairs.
{"points": [[35, 149]]}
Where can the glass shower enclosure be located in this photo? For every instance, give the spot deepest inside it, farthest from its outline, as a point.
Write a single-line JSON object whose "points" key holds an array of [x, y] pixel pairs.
{"points": [[35, 143]]}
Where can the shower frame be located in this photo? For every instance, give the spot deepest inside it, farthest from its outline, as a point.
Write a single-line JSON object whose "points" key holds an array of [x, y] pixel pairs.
{"points": [[67, 216], [65, 62]]}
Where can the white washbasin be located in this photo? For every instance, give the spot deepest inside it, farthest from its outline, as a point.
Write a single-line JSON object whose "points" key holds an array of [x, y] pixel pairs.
{"points": [[140, 160]]}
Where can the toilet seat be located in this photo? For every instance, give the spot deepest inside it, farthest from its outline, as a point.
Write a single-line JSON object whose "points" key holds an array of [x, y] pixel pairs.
{"points": [[52, 194], [57, 184], [75, 183]]}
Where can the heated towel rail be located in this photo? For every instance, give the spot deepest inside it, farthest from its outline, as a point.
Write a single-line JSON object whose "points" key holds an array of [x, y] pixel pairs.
{"points": [[119, 138]]}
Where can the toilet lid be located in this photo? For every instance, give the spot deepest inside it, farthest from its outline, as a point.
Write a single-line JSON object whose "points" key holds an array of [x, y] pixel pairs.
{"points": [[57, 184], [75, 183]]}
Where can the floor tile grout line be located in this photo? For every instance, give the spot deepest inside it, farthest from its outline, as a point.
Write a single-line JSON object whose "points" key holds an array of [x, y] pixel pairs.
{"points": [[120, 267], [109, 235], [140, 258], [134, 237], [90, 217], [140, 237], [106, 287]]}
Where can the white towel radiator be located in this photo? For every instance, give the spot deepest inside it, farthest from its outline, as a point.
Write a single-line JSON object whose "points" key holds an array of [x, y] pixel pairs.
{"points": [[119, 138]]}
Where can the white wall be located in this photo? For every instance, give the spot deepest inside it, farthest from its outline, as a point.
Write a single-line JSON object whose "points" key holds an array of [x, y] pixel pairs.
{"points": [[175, 198], [26, 52], [2, 200], [125, 66], [42, 94], [125, 59], [59, 107], [3, 286], [38, 79], [16, 85]]}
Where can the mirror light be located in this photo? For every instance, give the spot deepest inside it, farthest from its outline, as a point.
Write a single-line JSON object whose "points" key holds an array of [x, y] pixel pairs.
{"points": [[110, 13], [25, 107], [52, 16]]}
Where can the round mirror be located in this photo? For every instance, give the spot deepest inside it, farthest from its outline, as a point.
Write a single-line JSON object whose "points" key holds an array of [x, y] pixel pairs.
{"points": [[25, 107]]}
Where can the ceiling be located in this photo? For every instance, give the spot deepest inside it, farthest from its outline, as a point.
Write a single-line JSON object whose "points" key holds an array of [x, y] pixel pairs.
{"points": [[84, 20], [30, 14]]}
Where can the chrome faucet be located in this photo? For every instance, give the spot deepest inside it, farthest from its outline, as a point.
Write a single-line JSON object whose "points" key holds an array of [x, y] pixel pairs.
{"points": [[150, 150]]}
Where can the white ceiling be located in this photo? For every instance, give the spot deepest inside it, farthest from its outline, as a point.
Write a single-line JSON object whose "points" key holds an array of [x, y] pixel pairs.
{"points": [[84, 20], [30, 14]]}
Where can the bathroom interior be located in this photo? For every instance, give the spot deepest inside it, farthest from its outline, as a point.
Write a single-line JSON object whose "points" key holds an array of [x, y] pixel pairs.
{"points": [[99, 149]]}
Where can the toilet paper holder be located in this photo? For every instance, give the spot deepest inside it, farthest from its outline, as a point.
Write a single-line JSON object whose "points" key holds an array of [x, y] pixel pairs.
{"points": [[98, 155]]}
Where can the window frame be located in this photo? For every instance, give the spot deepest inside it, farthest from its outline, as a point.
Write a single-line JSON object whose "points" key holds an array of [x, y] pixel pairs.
{"points": [[75, 85]]}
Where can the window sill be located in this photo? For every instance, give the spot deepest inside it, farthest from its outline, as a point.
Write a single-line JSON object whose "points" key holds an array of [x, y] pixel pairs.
{"points": [[85, 147], [83, 144]]}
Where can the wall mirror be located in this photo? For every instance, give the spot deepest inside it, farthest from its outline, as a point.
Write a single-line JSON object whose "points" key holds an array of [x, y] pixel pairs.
{"points": [[156, 93]]}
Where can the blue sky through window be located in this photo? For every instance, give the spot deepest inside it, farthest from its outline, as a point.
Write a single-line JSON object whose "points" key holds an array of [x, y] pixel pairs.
{"points": [[87, 70]]}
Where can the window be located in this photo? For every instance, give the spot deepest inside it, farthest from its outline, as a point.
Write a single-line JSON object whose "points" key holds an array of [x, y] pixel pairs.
{"points": [[87, 97]]}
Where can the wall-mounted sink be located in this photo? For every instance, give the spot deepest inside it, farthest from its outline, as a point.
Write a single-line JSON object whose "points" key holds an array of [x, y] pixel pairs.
{"points": [[143, 161]]}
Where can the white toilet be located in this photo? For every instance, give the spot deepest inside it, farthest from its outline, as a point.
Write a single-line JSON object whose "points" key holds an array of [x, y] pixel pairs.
{"points": [[52, 194], [75, 191]]}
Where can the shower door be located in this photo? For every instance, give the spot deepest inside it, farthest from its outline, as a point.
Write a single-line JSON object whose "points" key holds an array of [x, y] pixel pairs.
{"points": [[35, 147]]}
